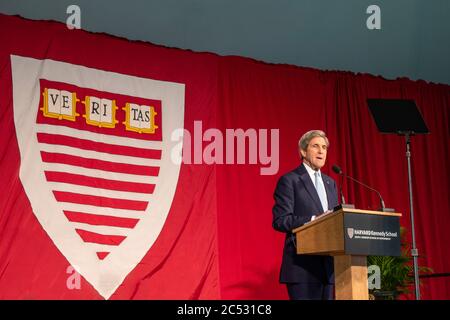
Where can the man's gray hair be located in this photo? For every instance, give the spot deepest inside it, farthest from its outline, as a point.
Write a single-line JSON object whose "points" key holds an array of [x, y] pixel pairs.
{"points": [[308, 136]]}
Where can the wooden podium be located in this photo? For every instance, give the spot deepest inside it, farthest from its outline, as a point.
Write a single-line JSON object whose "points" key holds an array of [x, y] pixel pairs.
{"points": [[350, 235]]}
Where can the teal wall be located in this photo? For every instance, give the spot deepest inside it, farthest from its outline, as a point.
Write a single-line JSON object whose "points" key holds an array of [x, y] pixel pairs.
{"points": [[414, 40]]}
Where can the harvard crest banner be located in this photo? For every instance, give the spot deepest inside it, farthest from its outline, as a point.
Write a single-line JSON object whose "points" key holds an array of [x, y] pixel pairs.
{"points": [[91, 169], [99, 178]]}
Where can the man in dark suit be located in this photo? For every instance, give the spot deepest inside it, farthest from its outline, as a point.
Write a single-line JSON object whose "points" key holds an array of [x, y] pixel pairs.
{"points": [[301, 196]]}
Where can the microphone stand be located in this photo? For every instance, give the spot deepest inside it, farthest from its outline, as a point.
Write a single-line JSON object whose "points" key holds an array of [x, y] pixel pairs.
{"points": [[382, 205], [383, 208], [414, 251], [343, 203]]}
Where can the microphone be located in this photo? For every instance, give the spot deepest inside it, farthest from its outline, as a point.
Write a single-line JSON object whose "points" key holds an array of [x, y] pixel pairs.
{"points": [[338, 170]]}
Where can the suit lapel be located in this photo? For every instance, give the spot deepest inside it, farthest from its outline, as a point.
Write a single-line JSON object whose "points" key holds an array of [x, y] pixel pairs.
{"points": [[309, 186]]}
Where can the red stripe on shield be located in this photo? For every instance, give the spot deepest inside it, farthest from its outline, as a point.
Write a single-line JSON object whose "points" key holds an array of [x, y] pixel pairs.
{"points": [[96, 219], [99, 164], [78, 179], [63, 196], [102, 255], [93, 237], [98, 146]]}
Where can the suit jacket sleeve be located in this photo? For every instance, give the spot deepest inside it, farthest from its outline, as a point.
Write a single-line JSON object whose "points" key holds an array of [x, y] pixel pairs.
{"points": [[284, 219]]}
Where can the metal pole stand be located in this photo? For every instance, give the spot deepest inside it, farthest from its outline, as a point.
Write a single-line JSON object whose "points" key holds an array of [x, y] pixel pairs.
{"points": [[414, 251]]}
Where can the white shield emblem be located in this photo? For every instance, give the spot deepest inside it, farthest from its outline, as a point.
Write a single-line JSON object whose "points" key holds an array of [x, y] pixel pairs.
{"points": [[103, 199], [350, 232]]}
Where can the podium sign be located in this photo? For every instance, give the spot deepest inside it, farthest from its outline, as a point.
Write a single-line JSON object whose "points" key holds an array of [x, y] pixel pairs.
{"points": [[371, 235]]}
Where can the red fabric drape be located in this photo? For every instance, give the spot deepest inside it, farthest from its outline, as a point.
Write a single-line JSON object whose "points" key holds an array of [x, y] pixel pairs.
{"points": [[218, 241], [298, 99]]}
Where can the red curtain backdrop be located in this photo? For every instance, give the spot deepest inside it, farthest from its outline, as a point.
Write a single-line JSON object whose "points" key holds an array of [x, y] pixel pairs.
{"points": [[218, 242]]}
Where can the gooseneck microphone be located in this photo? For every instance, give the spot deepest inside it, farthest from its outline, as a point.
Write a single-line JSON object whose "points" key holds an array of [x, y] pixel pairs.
{"points": [[338, 170]]}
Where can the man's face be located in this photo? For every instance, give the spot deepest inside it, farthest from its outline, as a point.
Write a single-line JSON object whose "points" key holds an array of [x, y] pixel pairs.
{"points": [[316, 153]]}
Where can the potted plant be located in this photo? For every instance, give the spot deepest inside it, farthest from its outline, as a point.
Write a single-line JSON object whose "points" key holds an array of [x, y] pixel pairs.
{"points": [[397, 273]]}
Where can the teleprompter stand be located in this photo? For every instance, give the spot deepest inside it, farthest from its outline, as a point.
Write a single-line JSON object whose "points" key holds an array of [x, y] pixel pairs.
{"points": [[402, 117]]}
